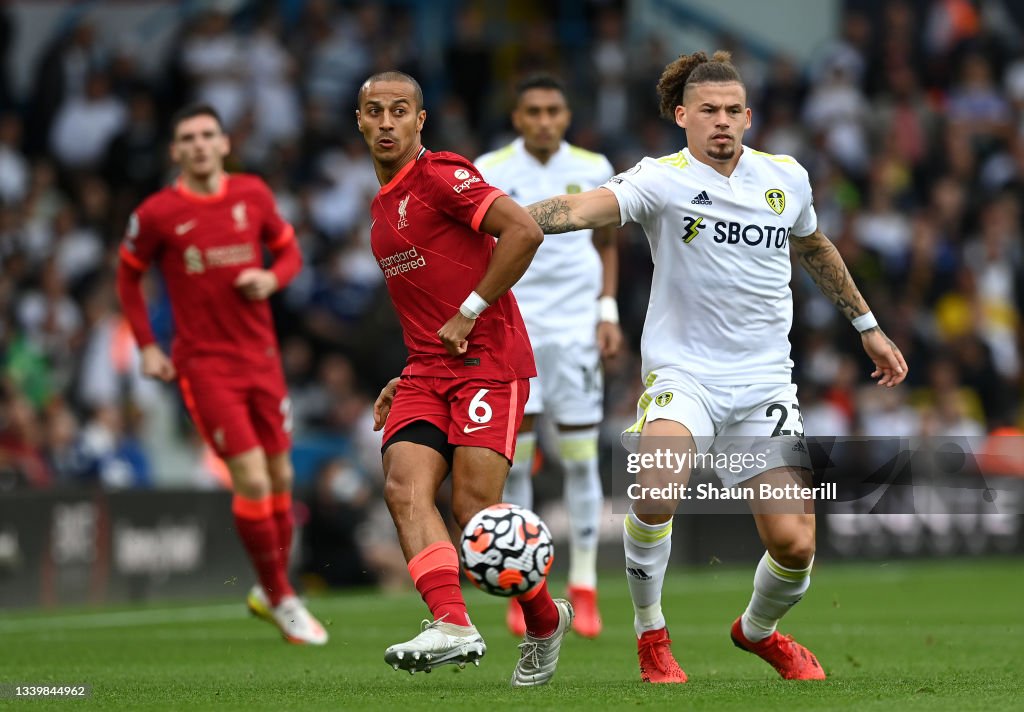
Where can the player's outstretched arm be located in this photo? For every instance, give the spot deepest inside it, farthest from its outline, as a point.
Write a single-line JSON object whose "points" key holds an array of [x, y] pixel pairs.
{"points": [[580, 211], [518, 240], [823, 262]]}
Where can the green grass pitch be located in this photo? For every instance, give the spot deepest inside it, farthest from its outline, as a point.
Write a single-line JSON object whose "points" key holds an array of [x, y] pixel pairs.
{"points": [[906, 636]]}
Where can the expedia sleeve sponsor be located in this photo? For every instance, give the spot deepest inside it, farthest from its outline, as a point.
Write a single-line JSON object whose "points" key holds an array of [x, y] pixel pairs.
{"points": [[402, 262]]}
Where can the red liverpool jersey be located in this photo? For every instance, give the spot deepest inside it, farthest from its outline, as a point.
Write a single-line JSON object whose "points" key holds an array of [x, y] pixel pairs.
{"points": [[200, 244], [425, 235]]}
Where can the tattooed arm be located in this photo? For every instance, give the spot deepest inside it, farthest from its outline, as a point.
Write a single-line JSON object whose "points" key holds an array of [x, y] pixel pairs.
{"points": [[823, 262], [564, 213]]}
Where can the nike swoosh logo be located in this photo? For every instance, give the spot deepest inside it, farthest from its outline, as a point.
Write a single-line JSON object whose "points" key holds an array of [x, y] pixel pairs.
{"points": [[467, 430], [184, 227]]}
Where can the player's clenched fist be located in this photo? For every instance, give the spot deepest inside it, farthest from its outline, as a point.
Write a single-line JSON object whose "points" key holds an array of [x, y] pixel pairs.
{"points": [[453, 334], [155, 364], [256, 284]]}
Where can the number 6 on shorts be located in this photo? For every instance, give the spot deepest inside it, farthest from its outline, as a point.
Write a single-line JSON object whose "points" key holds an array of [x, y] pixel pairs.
{"points": [[479, 410]]}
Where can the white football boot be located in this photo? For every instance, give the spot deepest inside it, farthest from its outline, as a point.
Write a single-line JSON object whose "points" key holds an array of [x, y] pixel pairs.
{"points": [[438, 643], [538, 657], [296, 623]]}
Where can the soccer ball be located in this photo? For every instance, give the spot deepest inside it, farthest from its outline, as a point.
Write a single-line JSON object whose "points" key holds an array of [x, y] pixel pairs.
{"points": [[506, 550]]}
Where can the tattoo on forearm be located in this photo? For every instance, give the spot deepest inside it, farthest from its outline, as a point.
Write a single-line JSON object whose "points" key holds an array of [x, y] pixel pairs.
{"points": [[823, 262], [553, 215]]}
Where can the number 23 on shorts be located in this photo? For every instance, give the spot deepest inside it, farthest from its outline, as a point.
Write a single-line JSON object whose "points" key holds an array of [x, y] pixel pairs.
{"points": [[788, 419]]}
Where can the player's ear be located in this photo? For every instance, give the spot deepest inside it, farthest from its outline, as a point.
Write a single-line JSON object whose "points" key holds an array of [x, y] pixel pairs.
{"points": [[748, 118], [359, 121], [681, 116], [421, 119]]}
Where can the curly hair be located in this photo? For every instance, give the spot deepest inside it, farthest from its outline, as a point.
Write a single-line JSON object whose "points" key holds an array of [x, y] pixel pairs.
{"points": [[689, 69]]}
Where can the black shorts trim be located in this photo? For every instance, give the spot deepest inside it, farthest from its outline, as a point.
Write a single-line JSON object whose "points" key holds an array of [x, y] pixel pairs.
{"points": [[425, 433]]}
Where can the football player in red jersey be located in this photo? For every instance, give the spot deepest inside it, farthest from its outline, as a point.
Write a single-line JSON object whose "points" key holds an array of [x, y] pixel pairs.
{"points": [[206, 234], [459, 402]]}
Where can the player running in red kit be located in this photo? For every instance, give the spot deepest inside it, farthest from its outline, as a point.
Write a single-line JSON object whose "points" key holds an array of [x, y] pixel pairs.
{"points": [[206, 234], [459, 402]]}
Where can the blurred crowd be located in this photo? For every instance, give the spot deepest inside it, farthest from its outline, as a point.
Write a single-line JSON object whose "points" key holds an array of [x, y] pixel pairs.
{"points": [[910, 122]]}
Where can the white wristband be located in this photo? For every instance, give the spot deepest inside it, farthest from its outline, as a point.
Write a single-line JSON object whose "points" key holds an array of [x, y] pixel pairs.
{"points": [[473, 306], [864, 322], [608, 310]]}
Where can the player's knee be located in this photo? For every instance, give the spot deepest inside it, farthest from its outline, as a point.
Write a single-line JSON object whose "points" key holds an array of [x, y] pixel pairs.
{"points": [[402, 496], [396, 494], [795, 552], [464, 506], [282, 474], [249, 476], [250, 486]]}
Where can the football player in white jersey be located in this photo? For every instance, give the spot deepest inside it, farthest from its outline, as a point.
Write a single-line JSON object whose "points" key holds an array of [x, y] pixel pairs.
{"points": [[567, 298], [721, 219]]}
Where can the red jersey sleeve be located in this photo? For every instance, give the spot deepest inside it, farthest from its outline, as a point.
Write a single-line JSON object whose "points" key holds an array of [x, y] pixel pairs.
{"points": [[141, 242], [279, 237], [458, 189], [274, 231]]}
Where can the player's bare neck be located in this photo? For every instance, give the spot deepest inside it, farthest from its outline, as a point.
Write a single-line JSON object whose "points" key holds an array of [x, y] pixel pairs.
{"points": [[203, 185]]}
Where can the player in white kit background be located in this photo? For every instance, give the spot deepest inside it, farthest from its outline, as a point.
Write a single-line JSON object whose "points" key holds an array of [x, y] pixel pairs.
{"points": [[721, 219], [567, 298]]}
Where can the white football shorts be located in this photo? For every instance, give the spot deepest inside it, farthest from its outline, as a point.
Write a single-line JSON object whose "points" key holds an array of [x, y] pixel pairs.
{"points": [[763, 419], [569, 386]]}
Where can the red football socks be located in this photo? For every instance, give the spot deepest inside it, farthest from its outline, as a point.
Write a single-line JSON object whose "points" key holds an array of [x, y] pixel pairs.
{"points": [[281, 504], [435, 571], [255, 523], [539, 611]]}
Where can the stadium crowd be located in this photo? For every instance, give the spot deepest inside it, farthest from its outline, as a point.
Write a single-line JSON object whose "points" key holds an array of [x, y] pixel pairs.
{"points": [[910, 122]]}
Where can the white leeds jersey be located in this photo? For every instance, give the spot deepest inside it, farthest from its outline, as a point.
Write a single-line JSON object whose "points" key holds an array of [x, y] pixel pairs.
{"points": [[721, 306], [558, 294]]}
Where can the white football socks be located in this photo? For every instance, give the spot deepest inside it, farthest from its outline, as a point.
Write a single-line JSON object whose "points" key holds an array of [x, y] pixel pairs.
{"points": [[518, 484], [776, 590], [583, 501], [648, 547]]}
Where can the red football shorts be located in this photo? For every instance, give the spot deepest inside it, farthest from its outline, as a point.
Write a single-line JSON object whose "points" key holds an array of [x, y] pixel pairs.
{"points": [[473, 413], [238, 408]]}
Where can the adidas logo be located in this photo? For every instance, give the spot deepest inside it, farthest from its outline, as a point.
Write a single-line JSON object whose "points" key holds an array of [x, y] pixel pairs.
{"points": [[638, 573], [701, 198]]}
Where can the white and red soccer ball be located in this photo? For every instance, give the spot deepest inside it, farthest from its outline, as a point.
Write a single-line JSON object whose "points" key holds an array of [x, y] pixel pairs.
{"points": [[506, 550]]}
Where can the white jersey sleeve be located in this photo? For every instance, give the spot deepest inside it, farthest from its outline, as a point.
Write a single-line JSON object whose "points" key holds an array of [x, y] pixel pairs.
{"points": [[637, 192], [807, 221]]}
